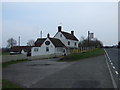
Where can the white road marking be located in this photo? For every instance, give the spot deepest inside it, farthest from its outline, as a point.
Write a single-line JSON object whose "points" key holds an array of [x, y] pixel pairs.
{"points": [[108, 57], [107, 54], [113, 67], [111, 64], [116, 72], [109, 60], [113, 81]]}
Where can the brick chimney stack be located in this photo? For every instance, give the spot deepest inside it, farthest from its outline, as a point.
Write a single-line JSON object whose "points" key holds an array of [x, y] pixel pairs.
{"points": [[48, 35], [72, 32], [59, 28]]}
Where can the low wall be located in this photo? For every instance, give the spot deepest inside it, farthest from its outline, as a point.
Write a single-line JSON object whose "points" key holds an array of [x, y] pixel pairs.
{"points": [[44, 56], [6, 58]]}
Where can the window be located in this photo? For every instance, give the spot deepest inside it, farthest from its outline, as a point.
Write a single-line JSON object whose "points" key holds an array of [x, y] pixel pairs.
{"points": [[47, 43], [60, 35], [64, 50], [47, 49], [68, 42], [75, 44], [36, 49]]}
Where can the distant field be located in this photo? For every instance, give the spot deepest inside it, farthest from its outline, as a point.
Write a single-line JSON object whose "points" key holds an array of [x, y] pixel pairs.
{"points": [[87, 54]]}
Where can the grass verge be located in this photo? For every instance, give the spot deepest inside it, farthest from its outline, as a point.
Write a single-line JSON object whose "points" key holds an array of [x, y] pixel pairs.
{"points": [[78, 56], [8, 84], [4, 53], [5, 64]]}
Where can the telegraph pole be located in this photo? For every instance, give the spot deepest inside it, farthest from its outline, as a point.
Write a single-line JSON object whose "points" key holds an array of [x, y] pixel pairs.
{"points": [[19, 41], [40, 34], [88, 37]]}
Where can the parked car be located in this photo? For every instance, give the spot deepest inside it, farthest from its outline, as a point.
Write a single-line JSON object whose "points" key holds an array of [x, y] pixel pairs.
{"points": [[14, 53]]}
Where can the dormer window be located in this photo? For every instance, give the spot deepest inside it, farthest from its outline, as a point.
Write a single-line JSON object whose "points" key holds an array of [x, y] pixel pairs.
{"points": [[68, 42]]}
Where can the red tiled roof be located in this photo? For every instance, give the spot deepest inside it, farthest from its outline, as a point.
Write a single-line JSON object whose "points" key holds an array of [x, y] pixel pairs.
{"points": [[39, 41], [69, 36], [57, 42]]}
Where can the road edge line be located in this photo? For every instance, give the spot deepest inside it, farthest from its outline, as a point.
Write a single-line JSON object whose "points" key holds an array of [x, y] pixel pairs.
{"points": [[113, 81]]}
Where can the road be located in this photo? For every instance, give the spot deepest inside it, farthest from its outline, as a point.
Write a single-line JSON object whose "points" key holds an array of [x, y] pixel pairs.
{"points": [[114, 62], [113, 54], [86, 73]]}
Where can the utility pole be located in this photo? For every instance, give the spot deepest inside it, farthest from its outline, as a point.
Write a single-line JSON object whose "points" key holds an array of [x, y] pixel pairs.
{"points": [[41, 34], [88, 37], [19, 41]]}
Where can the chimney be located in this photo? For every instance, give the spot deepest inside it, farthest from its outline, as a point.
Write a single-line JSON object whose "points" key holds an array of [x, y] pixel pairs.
{"points": [[59, 28], [72, 32], [48, 35]]}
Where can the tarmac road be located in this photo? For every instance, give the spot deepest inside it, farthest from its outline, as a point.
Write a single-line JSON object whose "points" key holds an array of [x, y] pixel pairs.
{"points": [[86, 73], [113, 54], [114, 62]]}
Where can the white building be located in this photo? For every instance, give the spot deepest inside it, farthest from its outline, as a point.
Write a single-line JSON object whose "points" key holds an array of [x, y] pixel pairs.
{"points": [[69, 40], [62, 43]]}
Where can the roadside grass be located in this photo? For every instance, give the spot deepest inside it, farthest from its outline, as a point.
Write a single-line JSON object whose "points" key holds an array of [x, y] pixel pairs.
{"points": [[78, 56], [4, 53], [5, 64], [0, 65], [8, 84]]}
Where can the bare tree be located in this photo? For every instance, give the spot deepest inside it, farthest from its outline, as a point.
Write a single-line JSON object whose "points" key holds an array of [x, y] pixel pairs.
{"points": [[96, 43], [82, 38], [11, 42], [30, 43]]}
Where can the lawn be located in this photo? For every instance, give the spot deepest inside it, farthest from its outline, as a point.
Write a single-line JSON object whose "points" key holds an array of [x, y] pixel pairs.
{"points": [[8, 84], [87, 54], [5, 64]]}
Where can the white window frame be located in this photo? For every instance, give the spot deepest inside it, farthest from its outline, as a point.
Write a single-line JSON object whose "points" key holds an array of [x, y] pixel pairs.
{"points": [[75, 43], [47, 49], [68, 42], [36, 49]]}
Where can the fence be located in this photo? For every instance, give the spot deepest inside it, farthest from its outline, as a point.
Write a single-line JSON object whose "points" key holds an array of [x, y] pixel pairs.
{"points": [[84, 49]]}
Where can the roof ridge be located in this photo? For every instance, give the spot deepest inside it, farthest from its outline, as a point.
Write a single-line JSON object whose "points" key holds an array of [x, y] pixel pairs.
{"points": [[55, 38], [65, 32]]}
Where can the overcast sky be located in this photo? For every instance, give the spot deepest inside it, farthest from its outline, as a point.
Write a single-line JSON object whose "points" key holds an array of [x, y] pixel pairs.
{"points": [[28, 19]]}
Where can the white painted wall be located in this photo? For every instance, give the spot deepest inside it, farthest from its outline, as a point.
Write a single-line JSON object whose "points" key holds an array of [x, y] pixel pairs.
{"points": [[65, 41], [42, 49], [60, 50]]}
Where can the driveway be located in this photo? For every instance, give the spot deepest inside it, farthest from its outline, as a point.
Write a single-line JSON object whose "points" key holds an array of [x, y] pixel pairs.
{"points": [[86, 73], [28, 73]]}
